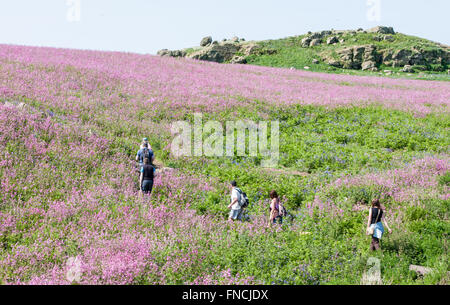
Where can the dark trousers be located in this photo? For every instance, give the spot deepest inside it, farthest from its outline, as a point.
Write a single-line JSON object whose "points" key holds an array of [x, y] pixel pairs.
{"points": [[375, 244], [147, 186]]}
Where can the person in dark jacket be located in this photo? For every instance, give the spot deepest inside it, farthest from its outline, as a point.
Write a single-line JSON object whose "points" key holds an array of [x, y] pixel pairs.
{"points": [[147, 176]]}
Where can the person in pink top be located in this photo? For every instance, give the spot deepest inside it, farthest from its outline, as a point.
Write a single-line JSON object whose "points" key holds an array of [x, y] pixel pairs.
{"points": [[275, 208]]}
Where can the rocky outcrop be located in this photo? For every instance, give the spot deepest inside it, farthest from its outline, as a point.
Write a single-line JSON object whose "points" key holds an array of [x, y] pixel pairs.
{"points": [[250, 48], [337, 36], [335, 63], [238, 60], [368, 57], [316, 38], [168, 53], [369, 66], [401, 57], [354, 57], [346, 57], [235, 39], [332, 40], [163, 52], [316, 35], [234, 50], [217, 53], [408, 69], [381, 30], [206, 41], [306, 41], [315, 42]]}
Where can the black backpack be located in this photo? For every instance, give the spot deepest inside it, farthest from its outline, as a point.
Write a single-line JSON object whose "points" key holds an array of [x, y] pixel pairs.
{"points": [[146, 153], [244, 199]]}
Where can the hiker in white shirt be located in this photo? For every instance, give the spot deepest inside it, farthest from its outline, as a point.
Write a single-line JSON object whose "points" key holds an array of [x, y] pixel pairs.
{"points": [[235, 206]]}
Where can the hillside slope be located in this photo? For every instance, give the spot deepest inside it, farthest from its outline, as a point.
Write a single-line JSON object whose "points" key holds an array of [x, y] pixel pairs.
{"points": [[377, 51], [71, 122]]}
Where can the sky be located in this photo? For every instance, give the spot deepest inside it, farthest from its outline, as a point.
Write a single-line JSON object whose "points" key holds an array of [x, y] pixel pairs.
{"points": [[146, 26]]}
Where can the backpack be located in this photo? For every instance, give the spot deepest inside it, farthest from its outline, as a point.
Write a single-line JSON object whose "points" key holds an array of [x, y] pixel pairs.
{"points": [[282, 210], [244, 199], [146, 153]]}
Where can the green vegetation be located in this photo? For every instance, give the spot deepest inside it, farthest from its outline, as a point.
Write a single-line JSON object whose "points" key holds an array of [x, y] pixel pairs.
{"points": [[321, 145], [290, 53]]}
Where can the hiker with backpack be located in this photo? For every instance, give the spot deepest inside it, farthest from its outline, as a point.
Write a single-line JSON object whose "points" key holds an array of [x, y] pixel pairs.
{"points": [[147, 176], [375, 224], [239, 202], [277, 210], [145, 151]]}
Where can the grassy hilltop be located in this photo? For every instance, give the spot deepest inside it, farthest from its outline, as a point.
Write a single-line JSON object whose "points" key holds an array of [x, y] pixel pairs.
{"points": [[427, 59], [290, 55]]}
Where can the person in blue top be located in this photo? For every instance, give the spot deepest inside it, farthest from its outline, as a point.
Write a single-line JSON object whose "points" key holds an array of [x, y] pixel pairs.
{"points": [[145, 151]]}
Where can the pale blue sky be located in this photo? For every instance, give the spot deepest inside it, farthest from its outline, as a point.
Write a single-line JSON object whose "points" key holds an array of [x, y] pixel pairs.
{"points": [[145, 26]]}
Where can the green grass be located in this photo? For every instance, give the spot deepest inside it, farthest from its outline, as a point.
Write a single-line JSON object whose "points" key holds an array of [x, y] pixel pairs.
{"points": [[324, 144]]}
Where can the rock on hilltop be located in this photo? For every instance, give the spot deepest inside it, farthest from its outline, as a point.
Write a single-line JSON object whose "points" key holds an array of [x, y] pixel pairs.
{"points": [[234, 50]]}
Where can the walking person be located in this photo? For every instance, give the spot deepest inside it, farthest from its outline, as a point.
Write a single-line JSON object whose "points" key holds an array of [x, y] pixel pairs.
{"points": [[147, 176], [235, 206], [276, 208], [145, 151], [375, 224]]}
